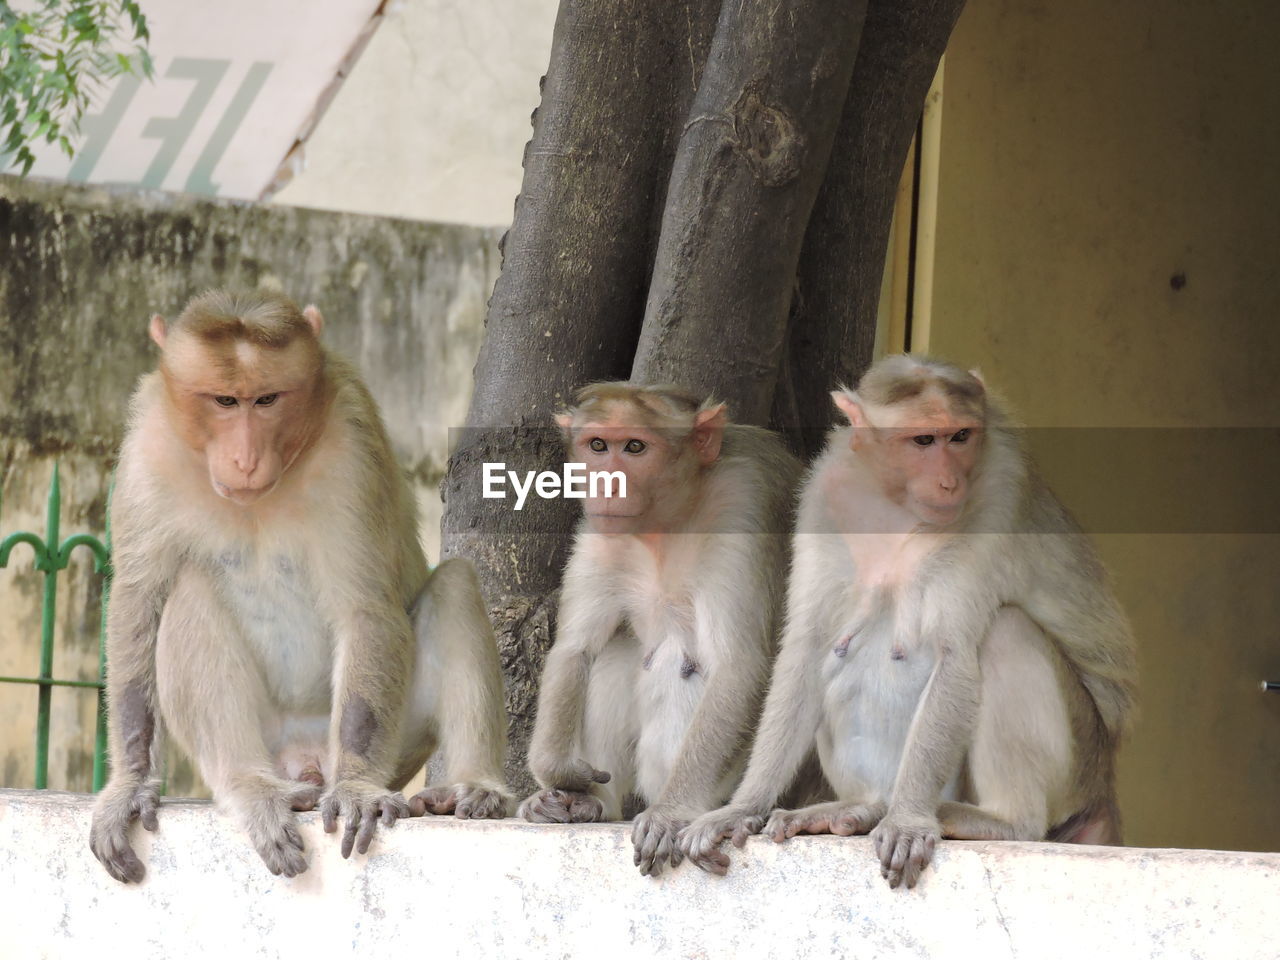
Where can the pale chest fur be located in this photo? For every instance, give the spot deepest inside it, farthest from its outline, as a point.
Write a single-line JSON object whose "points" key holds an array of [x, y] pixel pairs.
{"points": [[270, 592], [873, 671], [659, 601]]}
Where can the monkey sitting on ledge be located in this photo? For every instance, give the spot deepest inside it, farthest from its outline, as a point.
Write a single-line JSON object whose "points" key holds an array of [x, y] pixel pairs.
{"points": [[953, 646], [668, 614], [271, 605]]}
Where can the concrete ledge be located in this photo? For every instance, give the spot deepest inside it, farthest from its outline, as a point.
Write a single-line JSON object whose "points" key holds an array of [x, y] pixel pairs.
{"points": [[511, 889]]}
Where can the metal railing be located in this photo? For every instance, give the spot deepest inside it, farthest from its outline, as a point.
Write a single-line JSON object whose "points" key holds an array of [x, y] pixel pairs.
{"points": [[51, 557]]}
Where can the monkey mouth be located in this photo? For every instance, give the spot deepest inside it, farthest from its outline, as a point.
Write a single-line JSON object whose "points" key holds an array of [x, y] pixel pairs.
{"points": [[241, 496]]}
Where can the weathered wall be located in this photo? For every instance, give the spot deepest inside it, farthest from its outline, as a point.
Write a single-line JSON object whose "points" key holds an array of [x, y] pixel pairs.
{"points": [[82, 270], [514, 889], [1106, 252]]}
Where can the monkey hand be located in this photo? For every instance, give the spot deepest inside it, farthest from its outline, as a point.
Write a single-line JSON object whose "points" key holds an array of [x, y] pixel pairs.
{"points": [[700, 840], [904, 843], [119, 804], [361, 804], [561, 806], [654, 834], [576, 776]]}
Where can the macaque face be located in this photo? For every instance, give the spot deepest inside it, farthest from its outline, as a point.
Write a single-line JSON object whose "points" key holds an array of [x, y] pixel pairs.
{"points": [[642, 454], [924, 454], [250, 410]]}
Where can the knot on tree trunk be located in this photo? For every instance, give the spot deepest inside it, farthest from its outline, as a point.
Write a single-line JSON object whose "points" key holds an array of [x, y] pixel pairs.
{"points": [[766, 137]]}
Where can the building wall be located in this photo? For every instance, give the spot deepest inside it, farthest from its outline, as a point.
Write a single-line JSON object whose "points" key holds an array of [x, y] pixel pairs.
{"points": [[81, 272], [1107, 234], [432, 122]]}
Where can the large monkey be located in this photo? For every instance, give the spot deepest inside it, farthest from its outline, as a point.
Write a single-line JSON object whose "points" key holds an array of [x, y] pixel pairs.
{"points": [[668, 614], [953, 646], [271, 605]]}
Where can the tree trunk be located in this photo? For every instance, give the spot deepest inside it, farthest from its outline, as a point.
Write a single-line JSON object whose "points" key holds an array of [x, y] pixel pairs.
{"points": [[750, 162], [661, 236], [834, 326]]}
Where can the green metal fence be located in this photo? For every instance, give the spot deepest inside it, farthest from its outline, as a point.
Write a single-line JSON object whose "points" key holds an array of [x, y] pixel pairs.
{"points": [[50, 559]]}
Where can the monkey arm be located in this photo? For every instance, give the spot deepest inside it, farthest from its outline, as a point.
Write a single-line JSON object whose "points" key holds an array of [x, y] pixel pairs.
{"points": [[140, 585], [588, 619]]}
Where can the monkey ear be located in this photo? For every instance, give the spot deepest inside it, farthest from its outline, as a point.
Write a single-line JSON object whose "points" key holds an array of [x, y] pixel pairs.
{"points": [[564, 420], [977, 375], [313, 317], [708, 432], [157, 330], [849, 405]]}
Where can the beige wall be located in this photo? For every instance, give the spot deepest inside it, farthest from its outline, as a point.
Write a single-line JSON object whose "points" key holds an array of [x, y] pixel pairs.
{"points": [[432, 122], [1091, 152]]}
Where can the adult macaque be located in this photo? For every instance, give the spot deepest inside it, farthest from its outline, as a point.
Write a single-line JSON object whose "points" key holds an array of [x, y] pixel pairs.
{"points": [[271, 605], [952, 645], [668, 614]]}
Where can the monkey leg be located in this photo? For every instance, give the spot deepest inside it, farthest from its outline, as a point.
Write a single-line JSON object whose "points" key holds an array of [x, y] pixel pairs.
{"points": [[843, 818], [607, 741], [456, 700], [1020, 763], [214, 701]]}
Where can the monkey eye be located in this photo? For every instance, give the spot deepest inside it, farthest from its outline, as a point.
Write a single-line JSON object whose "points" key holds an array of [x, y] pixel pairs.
{"points": [[960, 436], [635, 446], [598, 445], [923, 440], [225, 401], [266, 400]]}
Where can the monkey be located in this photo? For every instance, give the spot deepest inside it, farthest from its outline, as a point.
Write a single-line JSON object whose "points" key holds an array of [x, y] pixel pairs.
{"points": [[668, 613], [953, 646], [271, 606]]}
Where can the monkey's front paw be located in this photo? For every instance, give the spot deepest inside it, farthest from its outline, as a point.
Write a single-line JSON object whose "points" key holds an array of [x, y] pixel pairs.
{"points": [[839, 819], [576, 776], [361, 805], [467, 801], [655, 836], [561, 806], [904, 843], [700, 840], [118, 806]]}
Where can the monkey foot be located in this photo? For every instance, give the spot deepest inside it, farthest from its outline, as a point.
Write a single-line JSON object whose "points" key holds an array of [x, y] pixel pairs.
{"points": [[561, 806], [905, 845], [838, 818], [467, 801]]}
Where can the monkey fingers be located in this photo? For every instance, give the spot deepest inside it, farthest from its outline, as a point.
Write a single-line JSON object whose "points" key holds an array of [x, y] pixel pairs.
{"points": [[700, 840], [654, 836], [905, 846], [118, 806], [561, 806], [838, 818], [361, 807], [466, 801]]}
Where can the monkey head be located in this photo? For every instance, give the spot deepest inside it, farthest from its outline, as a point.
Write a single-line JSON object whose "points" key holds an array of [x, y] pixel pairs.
{"points": [[660, 438], [244, 378], [918, 426]]}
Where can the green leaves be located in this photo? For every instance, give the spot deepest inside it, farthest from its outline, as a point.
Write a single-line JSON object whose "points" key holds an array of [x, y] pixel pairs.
{"points": [[55, 56]]}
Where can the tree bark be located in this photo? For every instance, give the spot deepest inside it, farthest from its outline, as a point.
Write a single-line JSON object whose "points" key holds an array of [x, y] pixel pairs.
{"points": [[749, 165], [842, 263]]}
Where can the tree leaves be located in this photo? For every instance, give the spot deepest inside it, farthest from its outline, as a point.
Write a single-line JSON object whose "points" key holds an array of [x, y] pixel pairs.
{"points": [[54, 57]]}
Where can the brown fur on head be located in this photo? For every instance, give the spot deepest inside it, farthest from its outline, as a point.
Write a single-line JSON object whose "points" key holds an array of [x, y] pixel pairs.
{"points": [[660, 436], [244, 374], [918, 423]]}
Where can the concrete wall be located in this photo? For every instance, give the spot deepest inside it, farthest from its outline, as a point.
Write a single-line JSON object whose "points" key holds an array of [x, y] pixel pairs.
{"points": [[433, 119], [1106, 249], [82, 270], [512, 889]]}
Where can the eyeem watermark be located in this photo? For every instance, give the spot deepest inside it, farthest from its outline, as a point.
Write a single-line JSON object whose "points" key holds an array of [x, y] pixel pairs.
{"points": [[573, 483]]}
